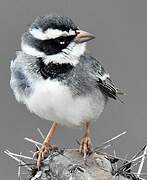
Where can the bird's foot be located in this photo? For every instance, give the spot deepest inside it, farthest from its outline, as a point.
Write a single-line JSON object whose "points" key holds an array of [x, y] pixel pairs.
{"points": [[86, 147], [44, 150]]}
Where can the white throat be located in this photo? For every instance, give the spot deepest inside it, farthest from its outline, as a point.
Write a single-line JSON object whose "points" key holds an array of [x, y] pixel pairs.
{"points": [[71, 54]]}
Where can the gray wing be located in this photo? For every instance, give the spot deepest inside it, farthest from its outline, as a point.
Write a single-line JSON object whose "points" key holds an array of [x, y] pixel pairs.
{"points": [[108, 87], [19, 81], [104, 81]]}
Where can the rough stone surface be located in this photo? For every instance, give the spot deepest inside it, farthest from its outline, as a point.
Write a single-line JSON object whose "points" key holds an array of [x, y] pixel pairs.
{"points": [[69, 165]]}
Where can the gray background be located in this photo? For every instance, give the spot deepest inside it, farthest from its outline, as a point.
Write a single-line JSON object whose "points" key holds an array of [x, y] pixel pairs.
{"points": [[121, 30]]}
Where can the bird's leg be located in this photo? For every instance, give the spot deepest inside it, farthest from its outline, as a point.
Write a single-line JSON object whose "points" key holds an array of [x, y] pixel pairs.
{"points": [[86, 146], [46, 146]]}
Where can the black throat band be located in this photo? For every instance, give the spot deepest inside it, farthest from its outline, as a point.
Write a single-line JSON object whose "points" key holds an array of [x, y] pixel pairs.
{"points": [[53, 70]]}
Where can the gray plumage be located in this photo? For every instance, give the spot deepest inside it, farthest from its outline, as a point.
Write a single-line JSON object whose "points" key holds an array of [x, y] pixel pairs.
{"points": [[84, 80], [74, 96], [53, 21]]}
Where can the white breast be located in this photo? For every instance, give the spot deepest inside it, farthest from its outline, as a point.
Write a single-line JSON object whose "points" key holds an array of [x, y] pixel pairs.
{"points": [[54, 101]]}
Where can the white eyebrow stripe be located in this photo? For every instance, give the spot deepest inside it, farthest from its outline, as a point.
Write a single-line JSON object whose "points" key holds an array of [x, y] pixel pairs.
{"points": [[38, 34], [50, 33]]}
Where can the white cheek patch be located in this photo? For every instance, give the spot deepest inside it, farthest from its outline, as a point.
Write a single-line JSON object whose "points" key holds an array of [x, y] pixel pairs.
{"points": [[31, 51], [69, 55], [50, 33]]}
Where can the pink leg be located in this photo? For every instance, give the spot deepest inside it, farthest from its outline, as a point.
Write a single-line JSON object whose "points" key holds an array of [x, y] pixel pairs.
{"points": [[86, 146], [46, 146]]}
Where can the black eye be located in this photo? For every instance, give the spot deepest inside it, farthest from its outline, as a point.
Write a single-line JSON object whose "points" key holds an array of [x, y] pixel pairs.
{"points": [[61, 40], [64, 40]]}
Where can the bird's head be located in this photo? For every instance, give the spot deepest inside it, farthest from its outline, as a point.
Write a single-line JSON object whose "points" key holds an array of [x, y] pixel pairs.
{"points": [[55, 38]]}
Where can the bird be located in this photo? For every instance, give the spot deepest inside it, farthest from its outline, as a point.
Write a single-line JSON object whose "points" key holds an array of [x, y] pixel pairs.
{"points": [[55, 77]]}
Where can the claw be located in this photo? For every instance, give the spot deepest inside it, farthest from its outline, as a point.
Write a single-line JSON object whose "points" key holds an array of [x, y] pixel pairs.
{"points": [[40, 155], [85, 147], [35, 155], [44, 153], [39, 160]]}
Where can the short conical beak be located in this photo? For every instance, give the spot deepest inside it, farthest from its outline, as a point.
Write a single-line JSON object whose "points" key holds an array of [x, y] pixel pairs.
{"points": [[83, 36]]}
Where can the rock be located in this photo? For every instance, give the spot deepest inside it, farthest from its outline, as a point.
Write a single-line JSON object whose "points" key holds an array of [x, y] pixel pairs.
{"points": [[70, 165]]}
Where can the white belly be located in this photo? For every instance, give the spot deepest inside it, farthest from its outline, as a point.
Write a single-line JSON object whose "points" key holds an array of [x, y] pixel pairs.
{"points": [[53, 101]]}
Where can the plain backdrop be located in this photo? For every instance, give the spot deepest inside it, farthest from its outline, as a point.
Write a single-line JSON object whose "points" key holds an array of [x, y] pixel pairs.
{"points": [[120, 27]]}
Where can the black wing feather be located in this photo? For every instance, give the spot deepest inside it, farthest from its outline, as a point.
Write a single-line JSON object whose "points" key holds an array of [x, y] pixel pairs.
{"points": [[104, 82], [108, 88]]}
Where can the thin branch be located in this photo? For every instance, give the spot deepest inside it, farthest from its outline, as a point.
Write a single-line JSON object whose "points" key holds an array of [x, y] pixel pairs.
{"points": [[29, 164], [128, 161], [19, 169], [139, 157], [41, 134], [25, 173], [22, 156], [38, 148], [138, 153], [32, 152], [109, 155], [142, 161], [107, 146], [110, 140], [18, 160], [37, 144], [115, 157], [77, 141], [144, 174], [32, 141], [126, 156], [134, 165]]}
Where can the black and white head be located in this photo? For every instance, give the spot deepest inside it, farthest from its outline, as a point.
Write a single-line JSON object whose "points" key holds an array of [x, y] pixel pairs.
{"points": [[55, 38]]}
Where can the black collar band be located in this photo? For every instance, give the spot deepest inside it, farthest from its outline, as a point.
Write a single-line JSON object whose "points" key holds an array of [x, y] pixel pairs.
{"points": [[53, 70]]}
